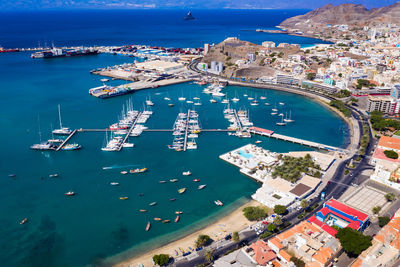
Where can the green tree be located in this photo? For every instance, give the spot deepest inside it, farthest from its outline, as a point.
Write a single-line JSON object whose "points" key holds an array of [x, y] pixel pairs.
{"points": [[311, 76], [280, 209], [255, 213], [390, 197], [161, 259], [235, 237], [271, 227], [304, 203], [352, 241], [209, 255], [278, 220], [376, 209], [298, 262], [383, 220], [202, 240], [391, 154]]}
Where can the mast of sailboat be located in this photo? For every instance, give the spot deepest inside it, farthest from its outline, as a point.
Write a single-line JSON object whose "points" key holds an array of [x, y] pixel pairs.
{"points": [[59, 115]]}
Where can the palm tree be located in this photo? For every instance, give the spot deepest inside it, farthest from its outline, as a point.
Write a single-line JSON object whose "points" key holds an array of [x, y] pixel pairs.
{"points": [[278, 220], [209, 255]]}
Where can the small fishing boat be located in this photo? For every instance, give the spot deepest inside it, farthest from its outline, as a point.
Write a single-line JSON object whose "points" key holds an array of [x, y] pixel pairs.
{"points": [[166, 221], [258, 141], [170, 105], [53, 175], [114, 183], [182, 190], [172, 199], [70, 193], [142, 210], [138, 170], [123, 198], [157, 219], [178, 212], [201, 186], [182, 98], [173, 180], [196, 180], [177, 218], [218, 203], [281, 103], [24, 220], [267, 104], [186, 173], [124, 172], [148, 226], [153, 203], [167, 98], [162, 182]]}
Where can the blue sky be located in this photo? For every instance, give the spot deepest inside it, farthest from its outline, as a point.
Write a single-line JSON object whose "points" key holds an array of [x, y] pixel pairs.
{"points": [[135, 4]]}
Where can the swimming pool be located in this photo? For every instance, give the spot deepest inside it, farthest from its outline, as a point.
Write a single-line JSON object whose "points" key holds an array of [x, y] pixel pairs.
{"points": [[244, 154]]}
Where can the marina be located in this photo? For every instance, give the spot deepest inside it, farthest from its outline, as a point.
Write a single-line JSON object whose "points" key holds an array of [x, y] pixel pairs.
{"points": [[91, 120]]}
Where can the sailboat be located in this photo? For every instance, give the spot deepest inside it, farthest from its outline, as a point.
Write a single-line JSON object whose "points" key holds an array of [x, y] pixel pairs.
{"points": [[281, 123], [290, 118], [43, 145], [62, 130]]}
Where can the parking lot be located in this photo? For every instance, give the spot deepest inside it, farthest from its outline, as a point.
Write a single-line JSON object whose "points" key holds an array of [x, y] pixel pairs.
{"points": [[366, 198]]}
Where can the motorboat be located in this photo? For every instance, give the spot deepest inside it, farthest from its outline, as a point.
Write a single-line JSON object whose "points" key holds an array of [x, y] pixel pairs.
{"points": [[142, 210], [71, 147], [127, 145], [70, 193], [178, 212], [148, 226], [114, 183], [173, 180], [166, 221], [182, 98], [153, 203], [186, 173], [196, 180], [138, 170], [157, 219], [123, 198], [124, 172], [24, 220], [177, 218], [162, 182], [172, 199]]}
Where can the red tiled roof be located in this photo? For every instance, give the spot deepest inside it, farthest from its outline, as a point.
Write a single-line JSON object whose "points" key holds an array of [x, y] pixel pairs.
{"points": [[346, 209], [261, 130]]}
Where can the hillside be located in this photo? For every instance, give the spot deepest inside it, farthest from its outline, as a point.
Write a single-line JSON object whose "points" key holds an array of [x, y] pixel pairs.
{"points": [[350, 14]]}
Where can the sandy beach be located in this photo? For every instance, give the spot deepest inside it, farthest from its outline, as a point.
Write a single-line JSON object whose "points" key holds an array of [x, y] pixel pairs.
{"points": [[235, 221]]}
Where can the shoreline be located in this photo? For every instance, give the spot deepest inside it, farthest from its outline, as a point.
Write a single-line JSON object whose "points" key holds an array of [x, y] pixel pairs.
{"points": [[233, 221]]}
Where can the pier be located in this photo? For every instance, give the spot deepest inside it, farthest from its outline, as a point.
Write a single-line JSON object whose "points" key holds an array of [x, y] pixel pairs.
{"points": [[66, 140], [129, 131], [239, 123], [269, 133], [186, 130]]}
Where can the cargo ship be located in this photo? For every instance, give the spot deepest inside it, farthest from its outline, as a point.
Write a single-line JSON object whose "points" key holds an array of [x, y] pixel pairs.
{"points": [[59, 52]]}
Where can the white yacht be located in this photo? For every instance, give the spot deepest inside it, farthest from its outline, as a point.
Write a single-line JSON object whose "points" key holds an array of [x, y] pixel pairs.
{"points": [[62, 130]]}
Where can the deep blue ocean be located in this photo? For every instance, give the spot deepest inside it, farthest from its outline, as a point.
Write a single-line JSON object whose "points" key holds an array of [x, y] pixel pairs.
{"points": [[95, 225], [152, 27]]}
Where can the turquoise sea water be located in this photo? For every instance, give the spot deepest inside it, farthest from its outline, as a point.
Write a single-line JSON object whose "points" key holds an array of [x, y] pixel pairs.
{"points": [[95, 224]]}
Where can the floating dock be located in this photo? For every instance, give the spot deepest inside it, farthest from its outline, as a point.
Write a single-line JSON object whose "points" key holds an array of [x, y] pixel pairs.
{"points": [[186, 131], [129, 131]]}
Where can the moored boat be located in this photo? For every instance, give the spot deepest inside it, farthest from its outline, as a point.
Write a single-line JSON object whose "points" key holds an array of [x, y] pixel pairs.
{"points": [[24, 220], [218, 203], [182, 190], [177, 218], [178, 212], [123, 198], [196, 180], [153, 203], [186, 173], [166, 221], [157, 219], [142, 210], [138, 170], [70, 193], [148, 226], [201, 186], [114, 183]]}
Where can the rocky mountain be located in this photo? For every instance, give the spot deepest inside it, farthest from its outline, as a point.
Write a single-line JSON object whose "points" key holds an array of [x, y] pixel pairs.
{"points": [[350, 14]]}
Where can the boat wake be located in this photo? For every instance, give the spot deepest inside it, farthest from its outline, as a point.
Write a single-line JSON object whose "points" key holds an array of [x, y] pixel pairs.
{"points": [[120, 166]]}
